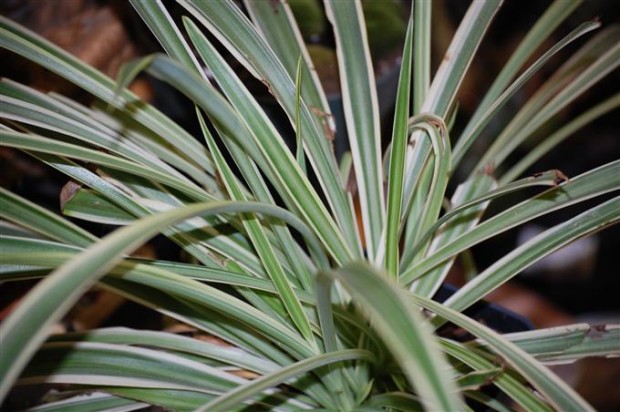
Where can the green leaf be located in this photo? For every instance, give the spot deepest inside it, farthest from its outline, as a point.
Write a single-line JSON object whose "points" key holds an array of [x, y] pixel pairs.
{"points": [[447, 80], [422, 11], [224, 116], [436, 131], [176, 400], [276, 23], [89, 402], [476, 187], [262, 245], [404, 333], [45, 254], [128, 72], [11, 229], [243, 392], [26, 327], [161, 24], [459, 55], [560, 135], [588, 222], [400, 401], [299, 154], [33, 47], [227, 355], [466, 216], [28, 106], [507, 382], [202, 308], [549, 178], [232, 28], [490, 402], [568, 343], [532, 116], [586, 186], [125, 366], [91, 363], [466, 140], [89, 205], [42, 144], [545, 25], [477, 379], [123, 196], [361, 112], [550, 386], [397, 159], [40, 220]]}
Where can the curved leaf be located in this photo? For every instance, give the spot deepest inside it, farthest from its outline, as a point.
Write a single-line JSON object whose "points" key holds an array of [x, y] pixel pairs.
{"points": [[395, 179], [26, 326], [243, 392], [552, 387], [32, 216], [586, 186], [361, 112], [595, 219], [404, 333]]}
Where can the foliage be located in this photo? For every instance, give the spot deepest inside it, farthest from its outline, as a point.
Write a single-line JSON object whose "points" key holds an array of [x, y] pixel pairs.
{"points": [[327, 314]]}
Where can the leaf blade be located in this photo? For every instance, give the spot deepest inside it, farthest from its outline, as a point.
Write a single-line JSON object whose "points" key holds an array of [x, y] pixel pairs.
{"points": [[361, 110], [404, 333]]}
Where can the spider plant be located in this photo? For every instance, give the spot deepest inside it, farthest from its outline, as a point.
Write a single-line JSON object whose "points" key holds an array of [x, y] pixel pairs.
{"points": [[318, 311]]}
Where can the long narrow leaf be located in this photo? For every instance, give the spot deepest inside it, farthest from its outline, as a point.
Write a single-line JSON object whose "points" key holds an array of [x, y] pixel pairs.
{"points": [[89, 402], [507, 382], [482, 185], [87, 362], [397, 159], [122, 365], [32, 216], [404, 333], [180, 344], [586, 186], [264, 249], [241, 393], [560, 135], [41, 144], [446, 82], [422, 53], [601, 216], [159, 21], [467, 139], [551, 386], [523, 126], [568, 343], [546, 24], [86, 204], [361, 112], [463, 222], [219, 110], [34, 108], [234, 31], [52, 297], [52, 57], [459, 55], [276, 23]]}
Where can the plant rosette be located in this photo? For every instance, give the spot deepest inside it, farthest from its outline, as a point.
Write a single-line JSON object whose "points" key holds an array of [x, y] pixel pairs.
{"points": [[325, 302]]}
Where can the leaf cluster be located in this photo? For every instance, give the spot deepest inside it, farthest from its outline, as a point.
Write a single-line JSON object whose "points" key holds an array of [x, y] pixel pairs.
{"points": [[322, 312]]}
